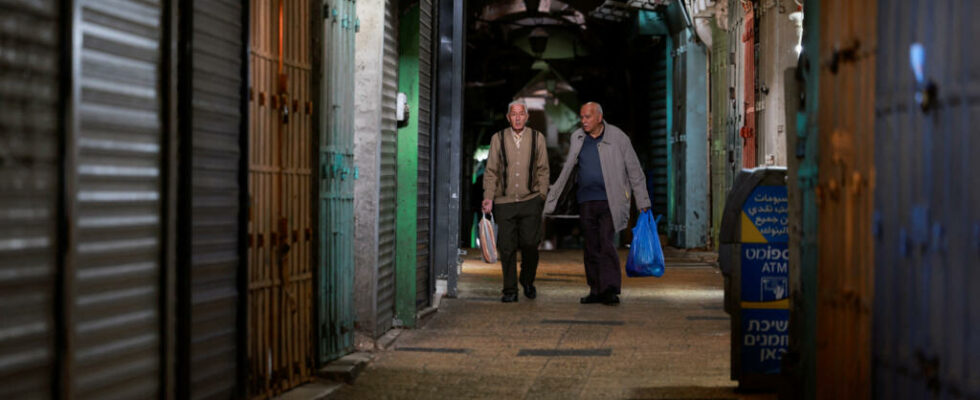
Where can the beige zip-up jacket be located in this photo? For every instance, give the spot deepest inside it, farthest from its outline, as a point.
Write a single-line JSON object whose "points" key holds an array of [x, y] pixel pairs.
{"points": [[518, 159]]}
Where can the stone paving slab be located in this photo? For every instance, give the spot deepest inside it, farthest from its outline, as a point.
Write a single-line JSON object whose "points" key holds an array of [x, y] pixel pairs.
{"points": [[669, 339]]}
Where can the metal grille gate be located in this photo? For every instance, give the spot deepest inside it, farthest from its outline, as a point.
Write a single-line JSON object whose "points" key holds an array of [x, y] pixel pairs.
{"points": [[280, 311]]}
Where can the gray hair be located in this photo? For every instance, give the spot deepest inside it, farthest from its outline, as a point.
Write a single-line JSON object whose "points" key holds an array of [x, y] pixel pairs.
{"points": [[598, 106], [517, 103]]}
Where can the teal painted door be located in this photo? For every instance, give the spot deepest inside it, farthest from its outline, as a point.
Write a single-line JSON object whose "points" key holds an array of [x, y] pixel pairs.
{"points": [[336, 182]]}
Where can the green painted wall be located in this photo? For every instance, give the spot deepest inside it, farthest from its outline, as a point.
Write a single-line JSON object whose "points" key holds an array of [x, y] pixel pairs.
{"points": [[408, 161]]}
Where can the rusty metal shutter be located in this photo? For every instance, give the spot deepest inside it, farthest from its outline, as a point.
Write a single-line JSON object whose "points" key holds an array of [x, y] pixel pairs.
{"points": [[214, 259], [114, 268], [844, 278], [29, 136], [423, 287], [389, 154]]}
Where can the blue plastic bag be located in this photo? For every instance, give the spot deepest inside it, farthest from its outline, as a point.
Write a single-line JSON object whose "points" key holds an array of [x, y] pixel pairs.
{"points": [[646, 257]]}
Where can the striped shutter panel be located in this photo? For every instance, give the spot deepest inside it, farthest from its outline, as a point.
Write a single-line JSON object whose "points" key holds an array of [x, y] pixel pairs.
{"points": [[658, 132], [114, 267], [29, 187], [422, 284], [389, 153], [925, 224], [214, 260]]}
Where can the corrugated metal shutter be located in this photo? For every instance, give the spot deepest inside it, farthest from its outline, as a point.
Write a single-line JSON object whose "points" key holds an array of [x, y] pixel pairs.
{"points": [[658, 131], [423, 287], [389, 153], [926, 224], [216, 63], [336, 184], [29, 132], [721, 169], [676, 148], [115, 269]]}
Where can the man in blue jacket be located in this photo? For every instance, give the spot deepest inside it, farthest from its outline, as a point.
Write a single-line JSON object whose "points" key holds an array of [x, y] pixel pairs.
{"points": [[603, 165]]}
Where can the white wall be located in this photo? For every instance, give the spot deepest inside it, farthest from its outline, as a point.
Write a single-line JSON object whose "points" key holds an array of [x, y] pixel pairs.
{"points": [[367, 157], [777, 42]]}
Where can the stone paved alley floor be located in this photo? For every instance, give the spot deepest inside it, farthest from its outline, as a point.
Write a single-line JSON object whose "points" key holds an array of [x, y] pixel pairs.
{"points": [[669, 339]]}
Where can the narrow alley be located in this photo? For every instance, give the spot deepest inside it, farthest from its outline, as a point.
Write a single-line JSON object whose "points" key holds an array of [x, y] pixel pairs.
{"points": [[668, 339], [310, 199]]}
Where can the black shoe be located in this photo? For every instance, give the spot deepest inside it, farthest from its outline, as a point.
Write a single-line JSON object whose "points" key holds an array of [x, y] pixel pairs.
{"points": [[590, 299], [509, 298], [610, 299], [530, 292]]}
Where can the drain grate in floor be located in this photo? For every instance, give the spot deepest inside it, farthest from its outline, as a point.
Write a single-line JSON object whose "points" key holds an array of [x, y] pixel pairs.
{"points": [[433, 350], [552, 280], [581, 322], [705, 318], [479, 298], [564, 353], [568, 275]]}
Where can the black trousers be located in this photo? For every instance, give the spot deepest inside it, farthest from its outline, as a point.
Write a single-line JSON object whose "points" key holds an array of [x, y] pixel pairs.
{"points": [[601, 259], [519, 227]]}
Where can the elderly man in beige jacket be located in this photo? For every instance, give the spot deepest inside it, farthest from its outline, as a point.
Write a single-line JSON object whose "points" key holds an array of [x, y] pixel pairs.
{"points": [[600, 174], [515, 184]]}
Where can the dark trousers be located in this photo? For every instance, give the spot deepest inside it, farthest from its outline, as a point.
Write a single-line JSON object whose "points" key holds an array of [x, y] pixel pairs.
{"points": [[519, 226], [601, 259]]}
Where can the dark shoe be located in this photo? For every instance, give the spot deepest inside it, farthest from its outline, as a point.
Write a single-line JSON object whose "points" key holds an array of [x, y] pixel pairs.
{"points": [[610, 299], [509, 298], [590, 299], [530, 292]]}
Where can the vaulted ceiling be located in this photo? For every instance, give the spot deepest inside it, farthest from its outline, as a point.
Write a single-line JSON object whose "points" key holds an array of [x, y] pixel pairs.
{"points": [[588, 43]]}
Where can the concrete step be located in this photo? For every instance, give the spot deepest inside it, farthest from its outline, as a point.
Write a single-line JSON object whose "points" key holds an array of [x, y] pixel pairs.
{"points": [[347, 368], [316, 390]]}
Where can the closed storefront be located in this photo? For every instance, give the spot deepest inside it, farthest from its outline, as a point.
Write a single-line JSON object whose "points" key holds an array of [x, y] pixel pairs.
{"points": [[280, 259], [30, 113], [925, 226]]}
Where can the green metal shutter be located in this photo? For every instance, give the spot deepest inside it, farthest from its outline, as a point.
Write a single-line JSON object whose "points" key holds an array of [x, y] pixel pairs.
{"points": [[423, 287], [336, 182], [677, 147], [29, 136], [658, 132], [214, 260], [389, 153], [115, 269]]}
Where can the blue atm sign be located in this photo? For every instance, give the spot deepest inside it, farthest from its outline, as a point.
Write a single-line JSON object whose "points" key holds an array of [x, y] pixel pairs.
{"points": [[765, 280], [765, 303]]}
